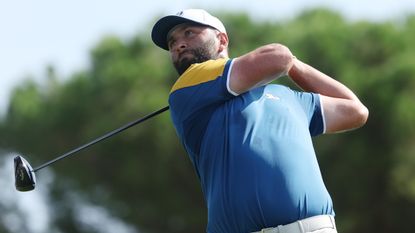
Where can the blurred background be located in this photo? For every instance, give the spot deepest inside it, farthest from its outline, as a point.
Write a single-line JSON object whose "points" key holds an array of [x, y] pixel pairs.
{"points": [[72, 71]]}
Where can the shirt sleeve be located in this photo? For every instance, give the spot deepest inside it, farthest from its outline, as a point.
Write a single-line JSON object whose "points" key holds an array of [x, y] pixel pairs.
{"points": [[313, 108]]}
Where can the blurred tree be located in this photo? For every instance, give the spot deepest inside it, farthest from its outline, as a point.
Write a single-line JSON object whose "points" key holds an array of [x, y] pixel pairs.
{"points": [[144, 177]]}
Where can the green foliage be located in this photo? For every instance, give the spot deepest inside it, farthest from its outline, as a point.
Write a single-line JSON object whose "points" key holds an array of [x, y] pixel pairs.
{"points": [[143, 175]]}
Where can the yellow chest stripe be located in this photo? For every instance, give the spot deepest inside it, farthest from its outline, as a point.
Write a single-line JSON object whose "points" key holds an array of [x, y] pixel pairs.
{"points": [[200, 73]]}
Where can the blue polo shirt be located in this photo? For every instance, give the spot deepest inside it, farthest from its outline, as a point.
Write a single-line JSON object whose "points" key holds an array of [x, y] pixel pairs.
{"points": [[253, 152]]}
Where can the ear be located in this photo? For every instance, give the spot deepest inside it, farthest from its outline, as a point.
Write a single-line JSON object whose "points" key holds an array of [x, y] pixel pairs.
{"points": [[223, 42]]}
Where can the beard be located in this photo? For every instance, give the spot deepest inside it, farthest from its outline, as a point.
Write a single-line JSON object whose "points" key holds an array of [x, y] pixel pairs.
{"points": [[199, 55]]}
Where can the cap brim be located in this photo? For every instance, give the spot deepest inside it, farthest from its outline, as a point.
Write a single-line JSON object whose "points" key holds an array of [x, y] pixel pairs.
{"points": [[163, 27]]}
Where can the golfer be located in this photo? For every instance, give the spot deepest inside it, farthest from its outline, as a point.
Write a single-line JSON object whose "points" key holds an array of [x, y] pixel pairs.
{"points": [[250, 142]]}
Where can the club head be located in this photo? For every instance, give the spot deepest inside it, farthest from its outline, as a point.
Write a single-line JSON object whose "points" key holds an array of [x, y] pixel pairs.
{"points": [[25, 179]]}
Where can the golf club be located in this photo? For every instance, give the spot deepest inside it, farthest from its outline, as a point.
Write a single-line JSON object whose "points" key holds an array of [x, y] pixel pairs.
{"points": [[24, 174]]}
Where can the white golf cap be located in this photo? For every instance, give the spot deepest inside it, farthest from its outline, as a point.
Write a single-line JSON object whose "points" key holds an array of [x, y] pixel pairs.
{"points": [[196, 16]]}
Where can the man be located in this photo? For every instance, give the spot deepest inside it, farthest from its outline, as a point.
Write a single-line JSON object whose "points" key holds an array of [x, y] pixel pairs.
{"points": [[250, 141]]}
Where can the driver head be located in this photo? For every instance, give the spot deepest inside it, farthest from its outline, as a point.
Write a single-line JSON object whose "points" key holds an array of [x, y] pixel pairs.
{"points": [[25, 179]]}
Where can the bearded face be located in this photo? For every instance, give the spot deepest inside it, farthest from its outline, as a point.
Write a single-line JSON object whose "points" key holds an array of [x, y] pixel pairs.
{"points": [[192, 56], [199, 54], [189, 44]]}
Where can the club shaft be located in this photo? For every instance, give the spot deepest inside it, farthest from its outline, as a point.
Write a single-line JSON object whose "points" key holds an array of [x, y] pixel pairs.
{"points": [[103, 137]]}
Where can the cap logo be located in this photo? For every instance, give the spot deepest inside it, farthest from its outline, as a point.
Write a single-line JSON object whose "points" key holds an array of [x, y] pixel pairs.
{"points": [[179, 13]]}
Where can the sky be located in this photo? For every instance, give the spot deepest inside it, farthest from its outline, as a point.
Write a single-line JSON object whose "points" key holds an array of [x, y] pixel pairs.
{"points": [[35, 34]]}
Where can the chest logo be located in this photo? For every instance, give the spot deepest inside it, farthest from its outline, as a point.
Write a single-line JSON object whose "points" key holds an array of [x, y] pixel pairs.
{"points": [[272, 97]]}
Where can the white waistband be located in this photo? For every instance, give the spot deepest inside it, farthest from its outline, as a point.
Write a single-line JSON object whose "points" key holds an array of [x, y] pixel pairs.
{"points": [[305, 225]]}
